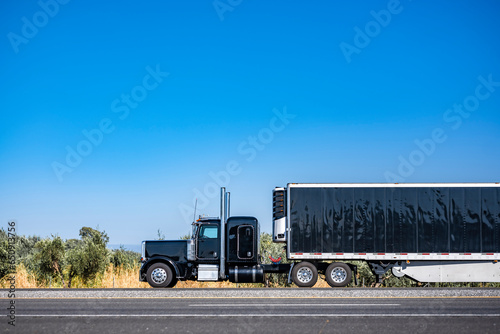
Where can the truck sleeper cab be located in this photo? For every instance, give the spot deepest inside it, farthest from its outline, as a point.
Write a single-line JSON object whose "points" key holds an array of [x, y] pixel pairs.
{"points": [[199, 258]]}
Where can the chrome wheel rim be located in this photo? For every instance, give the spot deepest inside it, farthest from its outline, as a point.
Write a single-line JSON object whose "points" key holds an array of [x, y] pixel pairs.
{"points": [[338, 275], [305, 275], [159, 275]]}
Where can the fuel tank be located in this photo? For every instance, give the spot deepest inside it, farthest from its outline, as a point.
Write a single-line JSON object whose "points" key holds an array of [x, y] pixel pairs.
{"points": [[246, 274]]}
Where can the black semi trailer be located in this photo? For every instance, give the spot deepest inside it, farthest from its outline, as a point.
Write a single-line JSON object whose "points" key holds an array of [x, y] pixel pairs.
{"points": [[429, 232]]}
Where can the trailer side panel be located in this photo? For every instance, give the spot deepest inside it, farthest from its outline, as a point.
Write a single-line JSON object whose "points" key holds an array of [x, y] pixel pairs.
{"points": [[399, 220]]}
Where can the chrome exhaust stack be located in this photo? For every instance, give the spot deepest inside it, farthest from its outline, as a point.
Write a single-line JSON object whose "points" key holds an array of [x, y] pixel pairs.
{"points": [[224, 212]]}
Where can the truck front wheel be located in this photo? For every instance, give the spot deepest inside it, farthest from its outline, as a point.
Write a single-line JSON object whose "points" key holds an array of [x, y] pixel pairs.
{"points": [[159, 275], [338, 274], [304, 274]]}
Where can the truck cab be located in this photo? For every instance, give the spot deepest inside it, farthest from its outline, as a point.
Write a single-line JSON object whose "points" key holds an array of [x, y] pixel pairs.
{"points": [[222, 248]]}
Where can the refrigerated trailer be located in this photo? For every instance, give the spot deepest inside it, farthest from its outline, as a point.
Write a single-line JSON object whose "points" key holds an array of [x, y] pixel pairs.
{"points": [[430, 232]]}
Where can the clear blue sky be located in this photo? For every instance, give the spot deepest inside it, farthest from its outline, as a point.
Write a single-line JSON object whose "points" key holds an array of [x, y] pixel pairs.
{"points": [[274, 91]]}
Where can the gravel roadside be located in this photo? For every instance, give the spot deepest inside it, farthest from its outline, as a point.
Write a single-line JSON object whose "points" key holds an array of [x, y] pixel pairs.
{"points": [[255, 293]]}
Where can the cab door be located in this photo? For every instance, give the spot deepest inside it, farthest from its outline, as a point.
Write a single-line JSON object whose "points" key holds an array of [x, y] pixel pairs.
{"points": [[208, 243]]}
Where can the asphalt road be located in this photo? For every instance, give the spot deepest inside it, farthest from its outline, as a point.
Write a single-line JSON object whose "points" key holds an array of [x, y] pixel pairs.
{"points": [[256, 314]]}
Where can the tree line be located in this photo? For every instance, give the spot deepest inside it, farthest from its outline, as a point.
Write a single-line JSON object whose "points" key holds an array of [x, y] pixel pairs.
{"points": [[56, 260]]}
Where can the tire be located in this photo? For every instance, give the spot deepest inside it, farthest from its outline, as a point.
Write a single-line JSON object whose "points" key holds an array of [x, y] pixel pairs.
{"points": [[159, 275], [304, 274], [173, 283], [338, 274]]}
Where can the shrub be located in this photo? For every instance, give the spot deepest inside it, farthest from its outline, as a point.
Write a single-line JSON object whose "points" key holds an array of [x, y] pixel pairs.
{"points": [[90, 258], [124, 259], [49, 259]]}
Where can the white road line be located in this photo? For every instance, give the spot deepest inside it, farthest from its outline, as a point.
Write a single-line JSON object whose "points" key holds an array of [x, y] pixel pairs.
{"points": [[285, 305], [266, 315]]}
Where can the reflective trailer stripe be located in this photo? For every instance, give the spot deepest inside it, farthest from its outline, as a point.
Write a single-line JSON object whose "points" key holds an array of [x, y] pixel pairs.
{"points": [[395, 256]]}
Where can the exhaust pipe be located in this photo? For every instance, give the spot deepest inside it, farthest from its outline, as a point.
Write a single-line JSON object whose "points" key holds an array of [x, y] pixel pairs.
{"points": [[223, 218]]}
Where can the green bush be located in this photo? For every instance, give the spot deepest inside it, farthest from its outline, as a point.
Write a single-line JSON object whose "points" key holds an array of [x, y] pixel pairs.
{"points": [[126, 259], [48, 260], [4, 261], [89, 258], [24, 250], [276, 250]]}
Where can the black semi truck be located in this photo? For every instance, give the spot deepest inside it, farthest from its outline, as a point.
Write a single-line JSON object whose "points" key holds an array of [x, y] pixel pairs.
{"points": [[430, 232]]}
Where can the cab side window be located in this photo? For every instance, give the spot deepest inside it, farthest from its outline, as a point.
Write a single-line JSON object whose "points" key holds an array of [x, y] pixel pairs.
{"points": [[208, 232]]}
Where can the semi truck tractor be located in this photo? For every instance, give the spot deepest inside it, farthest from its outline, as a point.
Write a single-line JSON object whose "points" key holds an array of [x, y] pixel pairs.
{"points": [[430, 232]]}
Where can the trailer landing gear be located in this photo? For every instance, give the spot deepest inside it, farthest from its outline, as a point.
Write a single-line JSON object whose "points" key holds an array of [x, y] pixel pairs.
{"points": [[379, 269]]}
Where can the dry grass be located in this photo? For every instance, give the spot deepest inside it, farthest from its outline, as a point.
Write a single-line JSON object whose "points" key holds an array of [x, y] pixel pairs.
{"points": [[120, 278], [113, 278], [129, 278], [23, 279]]}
